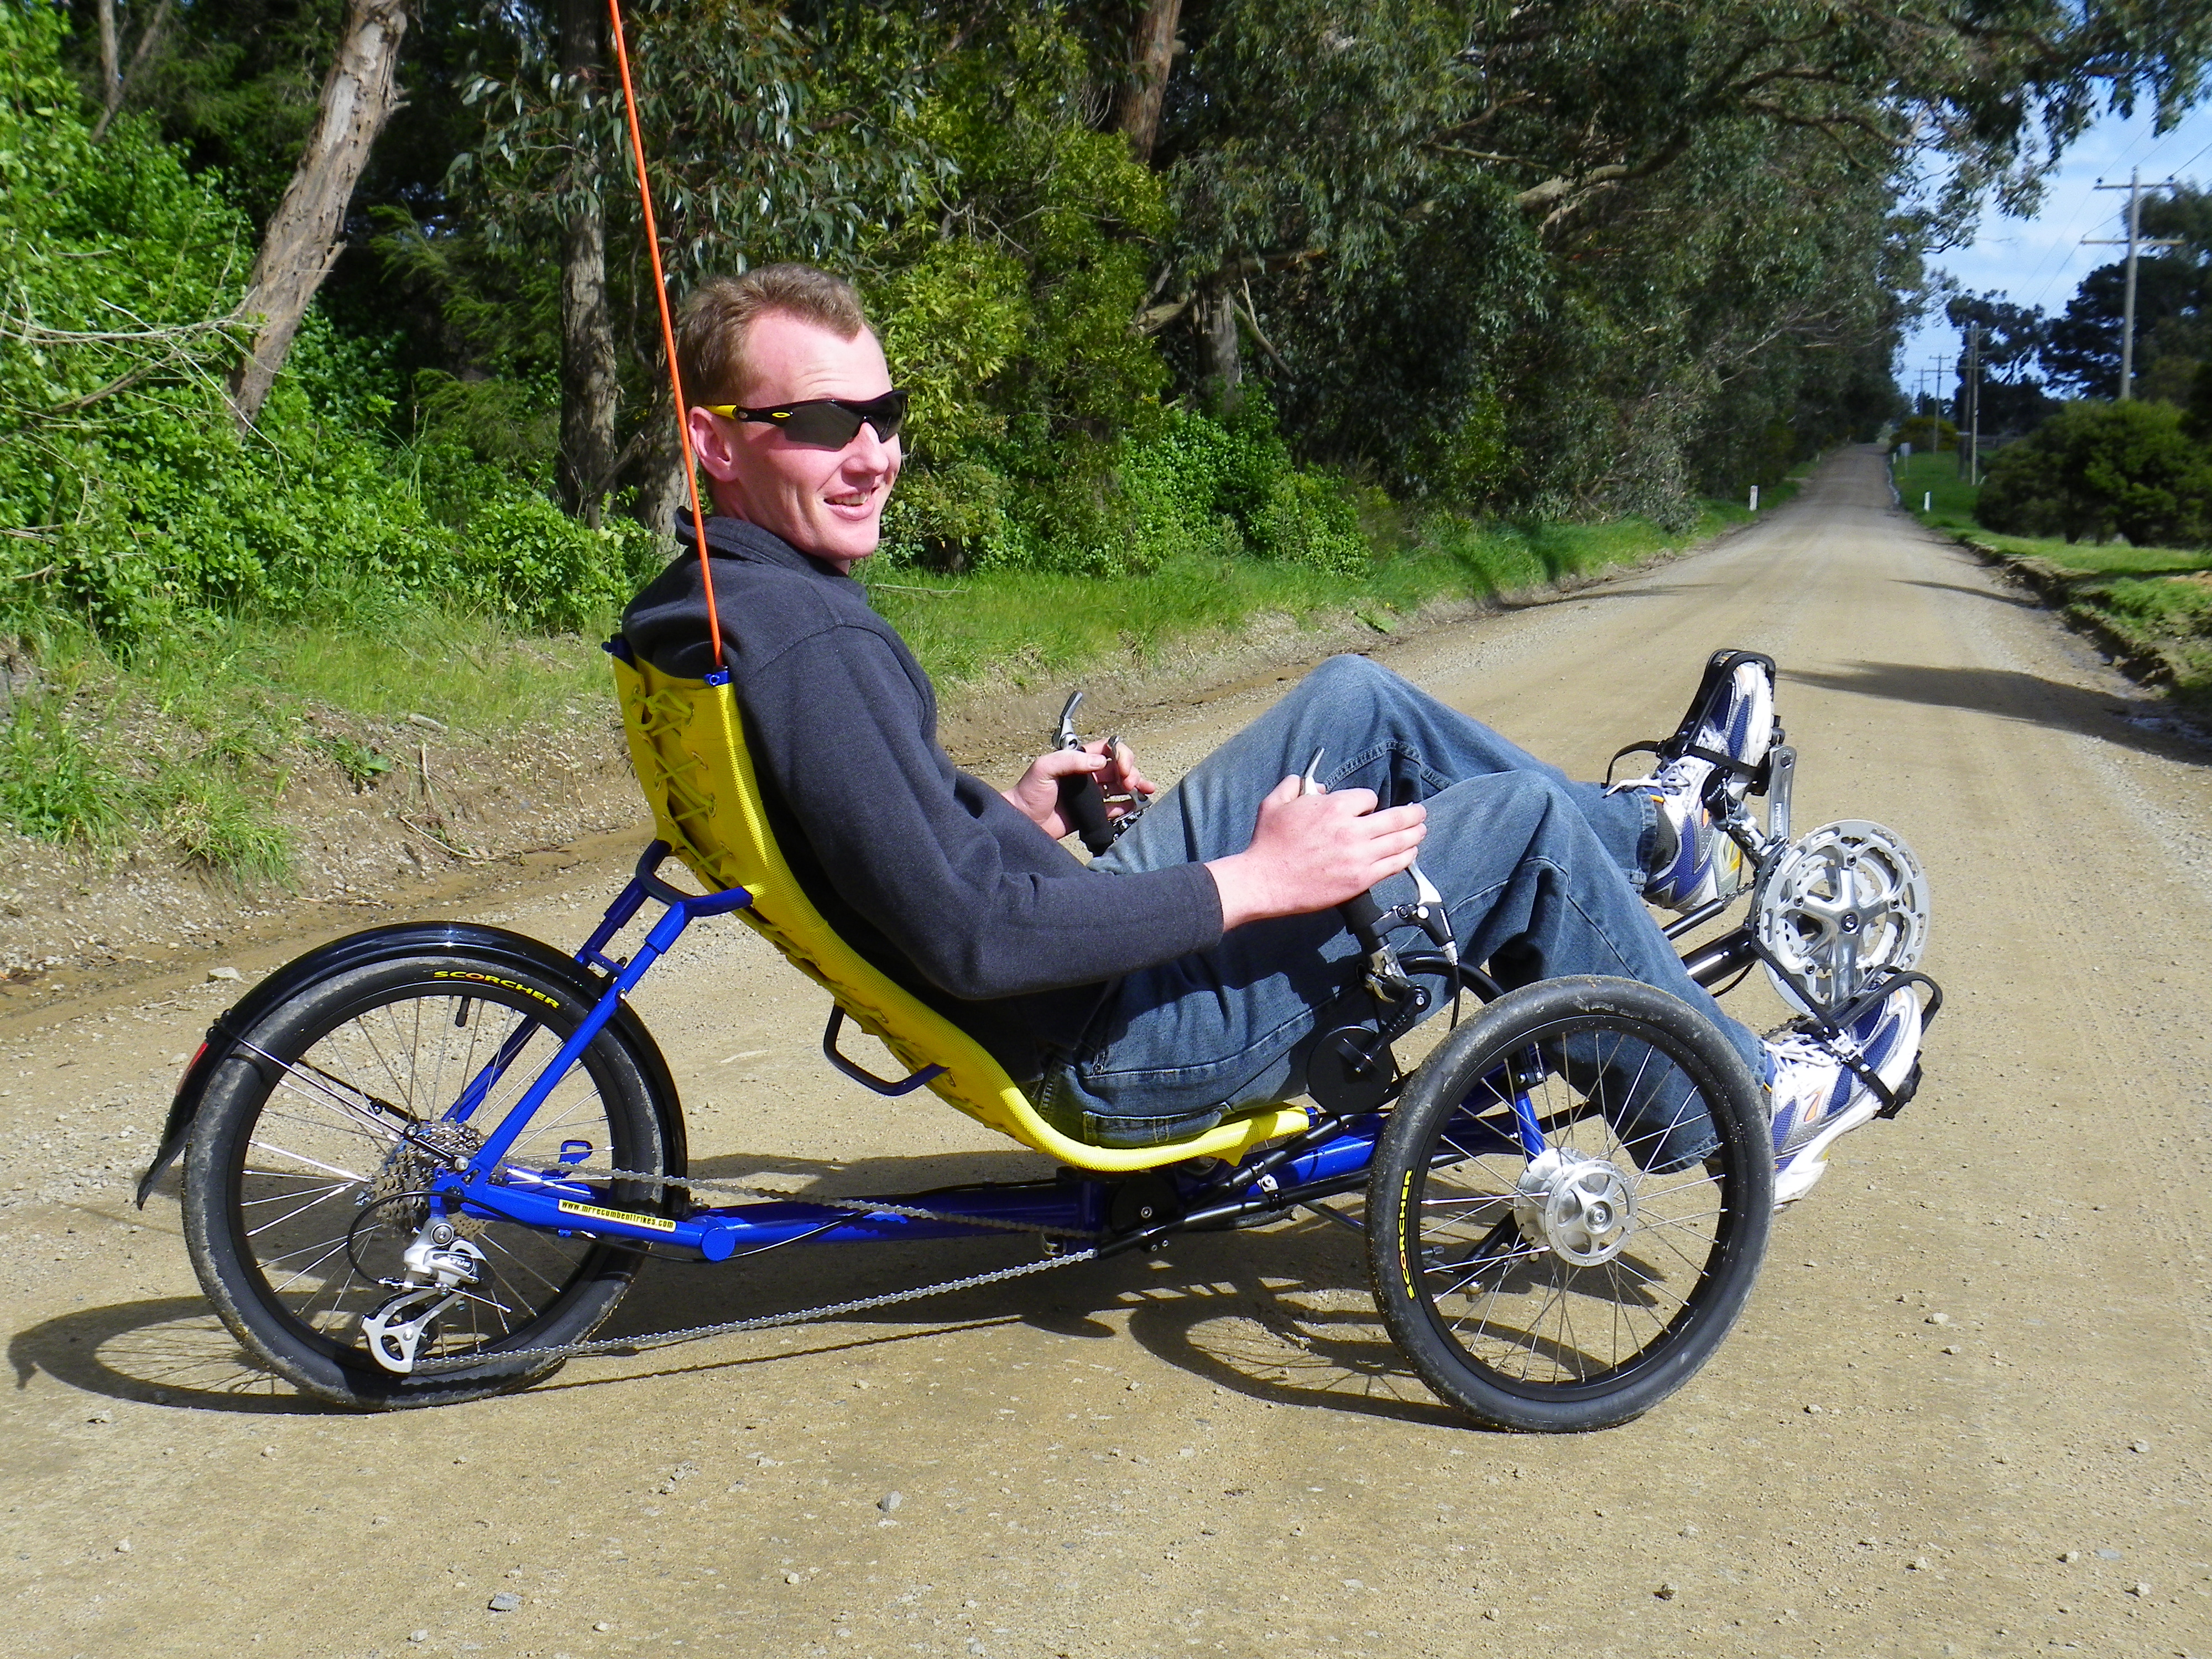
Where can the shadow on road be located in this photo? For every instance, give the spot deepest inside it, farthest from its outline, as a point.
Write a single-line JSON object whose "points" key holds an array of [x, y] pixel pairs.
{"points": [[2010, 694], [1997, 595], [171, 1350], [1283, 1317]]}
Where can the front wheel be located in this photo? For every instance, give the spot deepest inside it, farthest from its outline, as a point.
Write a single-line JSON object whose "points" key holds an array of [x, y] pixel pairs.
{"points": [[306, 1175], [1576, 1289]]}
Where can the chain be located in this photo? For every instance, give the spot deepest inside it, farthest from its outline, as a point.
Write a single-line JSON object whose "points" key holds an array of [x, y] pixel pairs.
{"points": [[631, 1344]]}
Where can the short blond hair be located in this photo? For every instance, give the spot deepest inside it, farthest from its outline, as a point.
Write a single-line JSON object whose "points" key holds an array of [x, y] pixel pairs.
{"points": [[716, 326]]}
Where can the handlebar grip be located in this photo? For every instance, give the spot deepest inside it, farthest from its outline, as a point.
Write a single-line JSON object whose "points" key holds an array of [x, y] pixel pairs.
{"points": [[1363, 916], [1082, 807]]}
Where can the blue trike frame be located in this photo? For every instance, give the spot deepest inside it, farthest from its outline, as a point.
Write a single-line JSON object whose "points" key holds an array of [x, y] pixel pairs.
{"points": [[1330, 1156]]}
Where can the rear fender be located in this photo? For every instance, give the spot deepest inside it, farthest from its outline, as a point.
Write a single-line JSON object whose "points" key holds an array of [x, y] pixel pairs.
{"points": [[385, 945]]}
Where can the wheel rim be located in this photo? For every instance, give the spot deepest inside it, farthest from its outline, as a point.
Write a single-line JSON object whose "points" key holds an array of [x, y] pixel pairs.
{"points": [[320, 1209], [1562, 1276]]}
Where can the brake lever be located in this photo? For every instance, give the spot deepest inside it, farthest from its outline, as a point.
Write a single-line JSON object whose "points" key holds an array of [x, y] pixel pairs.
{"points": [[1082, 801], [1371, 923]]}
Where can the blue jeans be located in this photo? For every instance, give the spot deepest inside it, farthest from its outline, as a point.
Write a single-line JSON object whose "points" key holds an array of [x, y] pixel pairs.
{"points": [[1525, 858]]}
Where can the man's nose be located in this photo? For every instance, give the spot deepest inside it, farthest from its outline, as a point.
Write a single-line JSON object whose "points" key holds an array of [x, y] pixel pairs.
{"points": [[872, 450]]}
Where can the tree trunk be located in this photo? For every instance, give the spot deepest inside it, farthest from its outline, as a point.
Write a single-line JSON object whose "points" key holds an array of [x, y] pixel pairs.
{"points": [[1221, 367], [137, 62], [302, 241], [660, 492], [1153, 56], [588, 387], [111, 60]]}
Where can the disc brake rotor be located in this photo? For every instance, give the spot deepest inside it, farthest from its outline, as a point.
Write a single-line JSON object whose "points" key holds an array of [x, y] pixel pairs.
{"points": [[1847, 900]]}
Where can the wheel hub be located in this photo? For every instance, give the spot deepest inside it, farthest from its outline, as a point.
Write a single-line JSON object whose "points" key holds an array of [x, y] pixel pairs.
{"points": [[1581, 1209], [411, 1165]]}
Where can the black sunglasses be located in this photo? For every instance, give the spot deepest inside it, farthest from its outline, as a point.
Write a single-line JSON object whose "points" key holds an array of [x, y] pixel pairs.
{"points": [[831, 422]]}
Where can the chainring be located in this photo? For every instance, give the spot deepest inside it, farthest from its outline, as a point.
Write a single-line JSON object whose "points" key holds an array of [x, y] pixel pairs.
{"points": [[1847, 900]]}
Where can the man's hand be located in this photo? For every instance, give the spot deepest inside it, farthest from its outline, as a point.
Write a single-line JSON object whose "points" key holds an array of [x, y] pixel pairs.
{"points": [[1037, 796], [1309, 852]]}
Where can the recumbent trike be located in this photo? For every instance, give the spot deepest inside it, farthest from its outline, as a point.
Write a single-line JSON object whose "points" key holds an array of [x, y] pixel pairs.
{"points": [[423, 1163]]}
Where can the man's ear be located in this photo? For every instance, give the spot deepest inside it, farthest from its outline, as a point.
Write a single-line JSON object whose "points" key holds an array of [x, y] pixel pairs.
{"points": [[712, 442]]}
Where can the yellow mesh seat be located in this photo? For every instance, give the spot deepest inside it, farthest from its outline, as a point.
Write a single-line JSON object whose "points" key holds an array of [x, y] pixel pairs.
{"points": [[688, 746]]}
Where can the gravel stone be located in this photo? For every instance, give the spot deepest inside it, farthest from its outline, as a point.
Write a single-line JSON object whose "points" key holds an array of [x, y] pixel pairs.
{"points": [[505, 1601], [889, 1501], [224, 973]]}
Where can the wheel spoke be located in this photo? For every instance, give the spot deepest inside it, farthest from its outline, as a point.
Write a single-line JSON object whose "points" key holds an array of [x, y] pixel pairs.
{"points": [[1561, 1328], [302, 1267]]}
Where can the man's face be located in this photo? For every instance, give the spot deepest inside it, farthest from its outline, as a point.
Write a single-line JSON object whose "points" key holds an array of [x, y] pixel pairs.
{"points": [[828, 503]]}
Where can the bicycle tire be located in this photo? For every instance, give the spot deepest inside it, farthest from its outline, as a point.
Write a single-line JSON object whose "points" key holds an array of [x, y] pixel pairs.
{"points": [[296, 1152], [1578, 1290]]}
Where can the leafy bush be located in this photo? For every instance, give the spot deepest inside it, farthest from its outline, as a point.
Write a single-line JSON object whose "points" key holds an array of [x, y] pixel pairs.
{"points": [[1190, 485], [1927, 435], [137, 499], [545, 571], [2092, 468]]}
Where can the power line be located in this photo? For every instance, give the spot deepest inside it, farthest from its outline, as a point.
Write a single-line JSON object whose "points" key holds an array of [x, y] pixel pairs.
{"points": [[2135, 242]]}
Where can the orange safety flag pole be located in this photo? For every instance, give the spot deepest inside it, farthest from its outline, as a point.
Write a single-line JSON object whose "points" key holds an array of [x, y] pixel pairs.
{"points": [[668, 339]]}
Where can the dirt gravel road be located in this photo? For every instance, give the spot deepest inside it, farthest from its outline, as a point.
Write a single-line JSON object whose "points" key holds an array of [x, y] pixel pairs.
{"points": [[1964, 1413]]}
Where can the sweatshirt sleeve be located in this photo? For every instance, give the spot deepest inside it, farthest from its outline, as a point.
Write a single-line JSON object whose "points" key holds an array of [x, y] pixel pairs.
{"points": [[976, 896]]}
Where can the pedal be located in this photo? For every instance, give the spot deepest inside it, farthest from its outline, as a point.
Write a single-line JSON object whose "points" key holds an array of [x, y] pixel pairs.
{"points": [[1905, 1091]]}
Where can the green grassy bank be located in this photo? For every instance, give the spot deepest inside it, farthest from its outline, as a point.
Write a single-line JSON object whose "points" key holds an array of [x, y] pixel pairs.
{"points": [[196, 739], [2152, 605]]}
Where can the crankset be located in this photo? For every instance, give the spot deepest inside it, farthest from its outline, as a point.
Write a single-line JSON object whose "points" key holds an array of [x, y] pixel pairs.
{"points": [[1848, 901]]}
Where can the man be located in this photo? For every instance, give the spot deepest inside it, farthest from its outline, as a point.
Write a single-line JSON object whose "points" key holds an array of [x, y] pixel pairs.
{"points": [[1183, 974]]}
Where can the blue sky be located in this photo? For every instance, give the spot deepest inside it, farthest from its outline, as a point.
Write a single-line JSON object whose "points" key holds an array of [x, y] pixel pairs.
{"points": [[2041, 261]]}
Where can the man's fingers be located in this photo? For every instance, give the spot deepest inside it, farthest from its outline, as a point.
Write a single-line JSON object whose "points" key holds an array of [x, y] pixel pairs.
{"points": [[1353, 803], [1065, 762]]}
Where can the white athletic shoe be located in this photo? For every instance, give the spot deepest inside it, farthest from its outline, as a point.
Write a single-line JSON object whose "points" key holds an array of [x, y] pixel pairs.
{"points": [[1814, 1099], [1730, 719]]}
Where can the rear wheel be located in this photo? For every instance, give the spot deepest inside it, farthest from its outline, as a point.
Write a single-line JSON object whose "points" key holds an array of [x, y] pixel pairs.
{"points": [[305, 1177], [1578, 1289]]}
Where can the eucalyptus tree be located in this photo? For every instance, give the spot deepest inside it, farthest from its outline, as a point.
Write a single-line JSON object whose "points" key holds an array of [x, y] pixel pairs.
{"points": [[767, 139], [1605, 181], [304, 236]]}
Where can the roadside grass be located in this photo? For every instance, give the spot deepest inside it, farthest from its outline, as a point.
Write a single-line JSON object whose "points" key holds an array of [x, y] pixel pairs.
{"points": [[190, 740], [1022, 626], [2156, 600]]}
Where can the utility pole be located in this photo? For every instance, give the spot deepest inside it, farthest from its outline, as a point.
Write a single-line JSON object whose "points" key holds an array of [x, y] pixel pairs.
{"points": [[1974, 452], [1970, 397], [2135, 244], [1933, 378]]}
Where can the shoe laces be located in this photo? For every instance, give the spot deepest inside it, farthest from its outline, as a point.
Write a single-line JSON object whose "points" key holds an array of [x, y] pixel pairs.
{"points": [[1683, 776]]}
